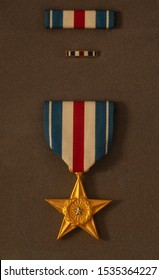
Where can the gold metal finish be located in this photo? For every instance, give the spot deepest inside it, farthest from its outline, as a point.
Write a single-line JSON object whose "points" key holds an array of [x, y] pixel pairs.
{"points": [[78, 210]]}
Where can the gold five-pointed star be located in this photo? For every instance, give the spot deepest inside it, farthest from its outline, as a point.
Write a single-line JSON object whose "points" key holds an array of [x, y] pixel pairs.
{"points": [[78, 210]]}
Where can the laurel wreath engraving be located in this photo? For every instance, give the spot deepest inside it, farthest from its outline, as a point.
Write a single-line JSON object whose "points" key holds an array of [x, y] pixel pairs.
{"points": [[77, 211]]}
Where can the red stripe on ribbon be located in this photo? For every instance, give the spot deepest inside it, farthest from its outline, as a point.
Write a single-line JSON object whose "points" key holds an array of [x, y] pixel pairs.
{"points": [[81, 53], [79, 19], [78, 137]]}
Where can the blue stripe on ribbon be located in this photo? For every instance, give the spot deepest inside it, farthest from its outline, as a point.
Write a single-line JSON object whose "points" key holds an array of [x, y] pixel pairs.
{"points": [[46, 121], [57, 127], [100, 132], [111, 19], [100, 19], [111, 121], [47, 19], [58, 19]]}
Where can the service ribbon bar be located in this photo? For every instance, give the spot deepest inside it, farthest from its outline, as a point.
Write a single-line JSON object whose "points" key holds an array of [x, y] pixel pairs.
{"points": [[79, 19], [82, 53], [80, 132]]}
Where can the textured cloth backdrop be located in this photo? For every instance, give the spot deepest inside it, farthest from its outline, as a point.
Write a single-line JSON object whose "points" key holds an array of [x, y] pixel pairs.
{"points": [[34, 69]]}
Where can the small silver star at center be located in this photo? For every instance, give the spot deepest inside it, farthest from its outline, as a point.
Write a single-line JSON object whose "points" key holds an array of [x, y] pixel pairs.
{"points": [[78, 211]]}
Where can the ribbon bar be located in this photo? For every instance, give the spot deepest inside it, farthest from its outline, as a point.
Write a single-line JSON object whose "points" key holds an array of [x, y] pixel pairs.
{"points": [[81, 53], [79, 19]]}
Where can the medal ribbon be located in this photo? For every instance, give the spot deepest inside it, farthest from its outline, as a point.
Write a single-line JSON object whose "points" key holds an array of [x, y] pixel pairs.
{"points": [[79, 132], [79, 19]]}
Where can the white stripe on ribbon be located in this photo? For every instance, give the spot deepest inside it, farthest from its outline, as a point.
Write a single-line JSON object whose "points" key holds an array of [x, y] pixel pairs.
{"points": [[90, 19], [50, 18], [50, 124], [68, 19], [107, 125], [67, 133], [85, 53], [89, 134], [107, 19]]}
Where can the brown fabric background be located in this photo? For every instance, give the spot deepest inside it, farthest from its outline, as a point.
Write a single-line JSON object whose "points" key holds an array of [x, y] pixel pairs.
{"points": [[33, 69]]}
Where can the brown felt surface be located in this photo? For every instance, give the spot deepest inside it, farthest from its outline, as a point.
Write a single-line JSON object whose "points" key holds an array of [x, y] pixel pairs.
{"points": [[33, 69]]}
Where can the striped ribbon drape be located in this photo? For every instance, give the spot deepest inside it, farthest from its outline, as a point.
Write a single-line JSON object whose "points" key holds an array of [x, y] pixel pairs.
{"points": [[81, 19], [79, 132]]}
